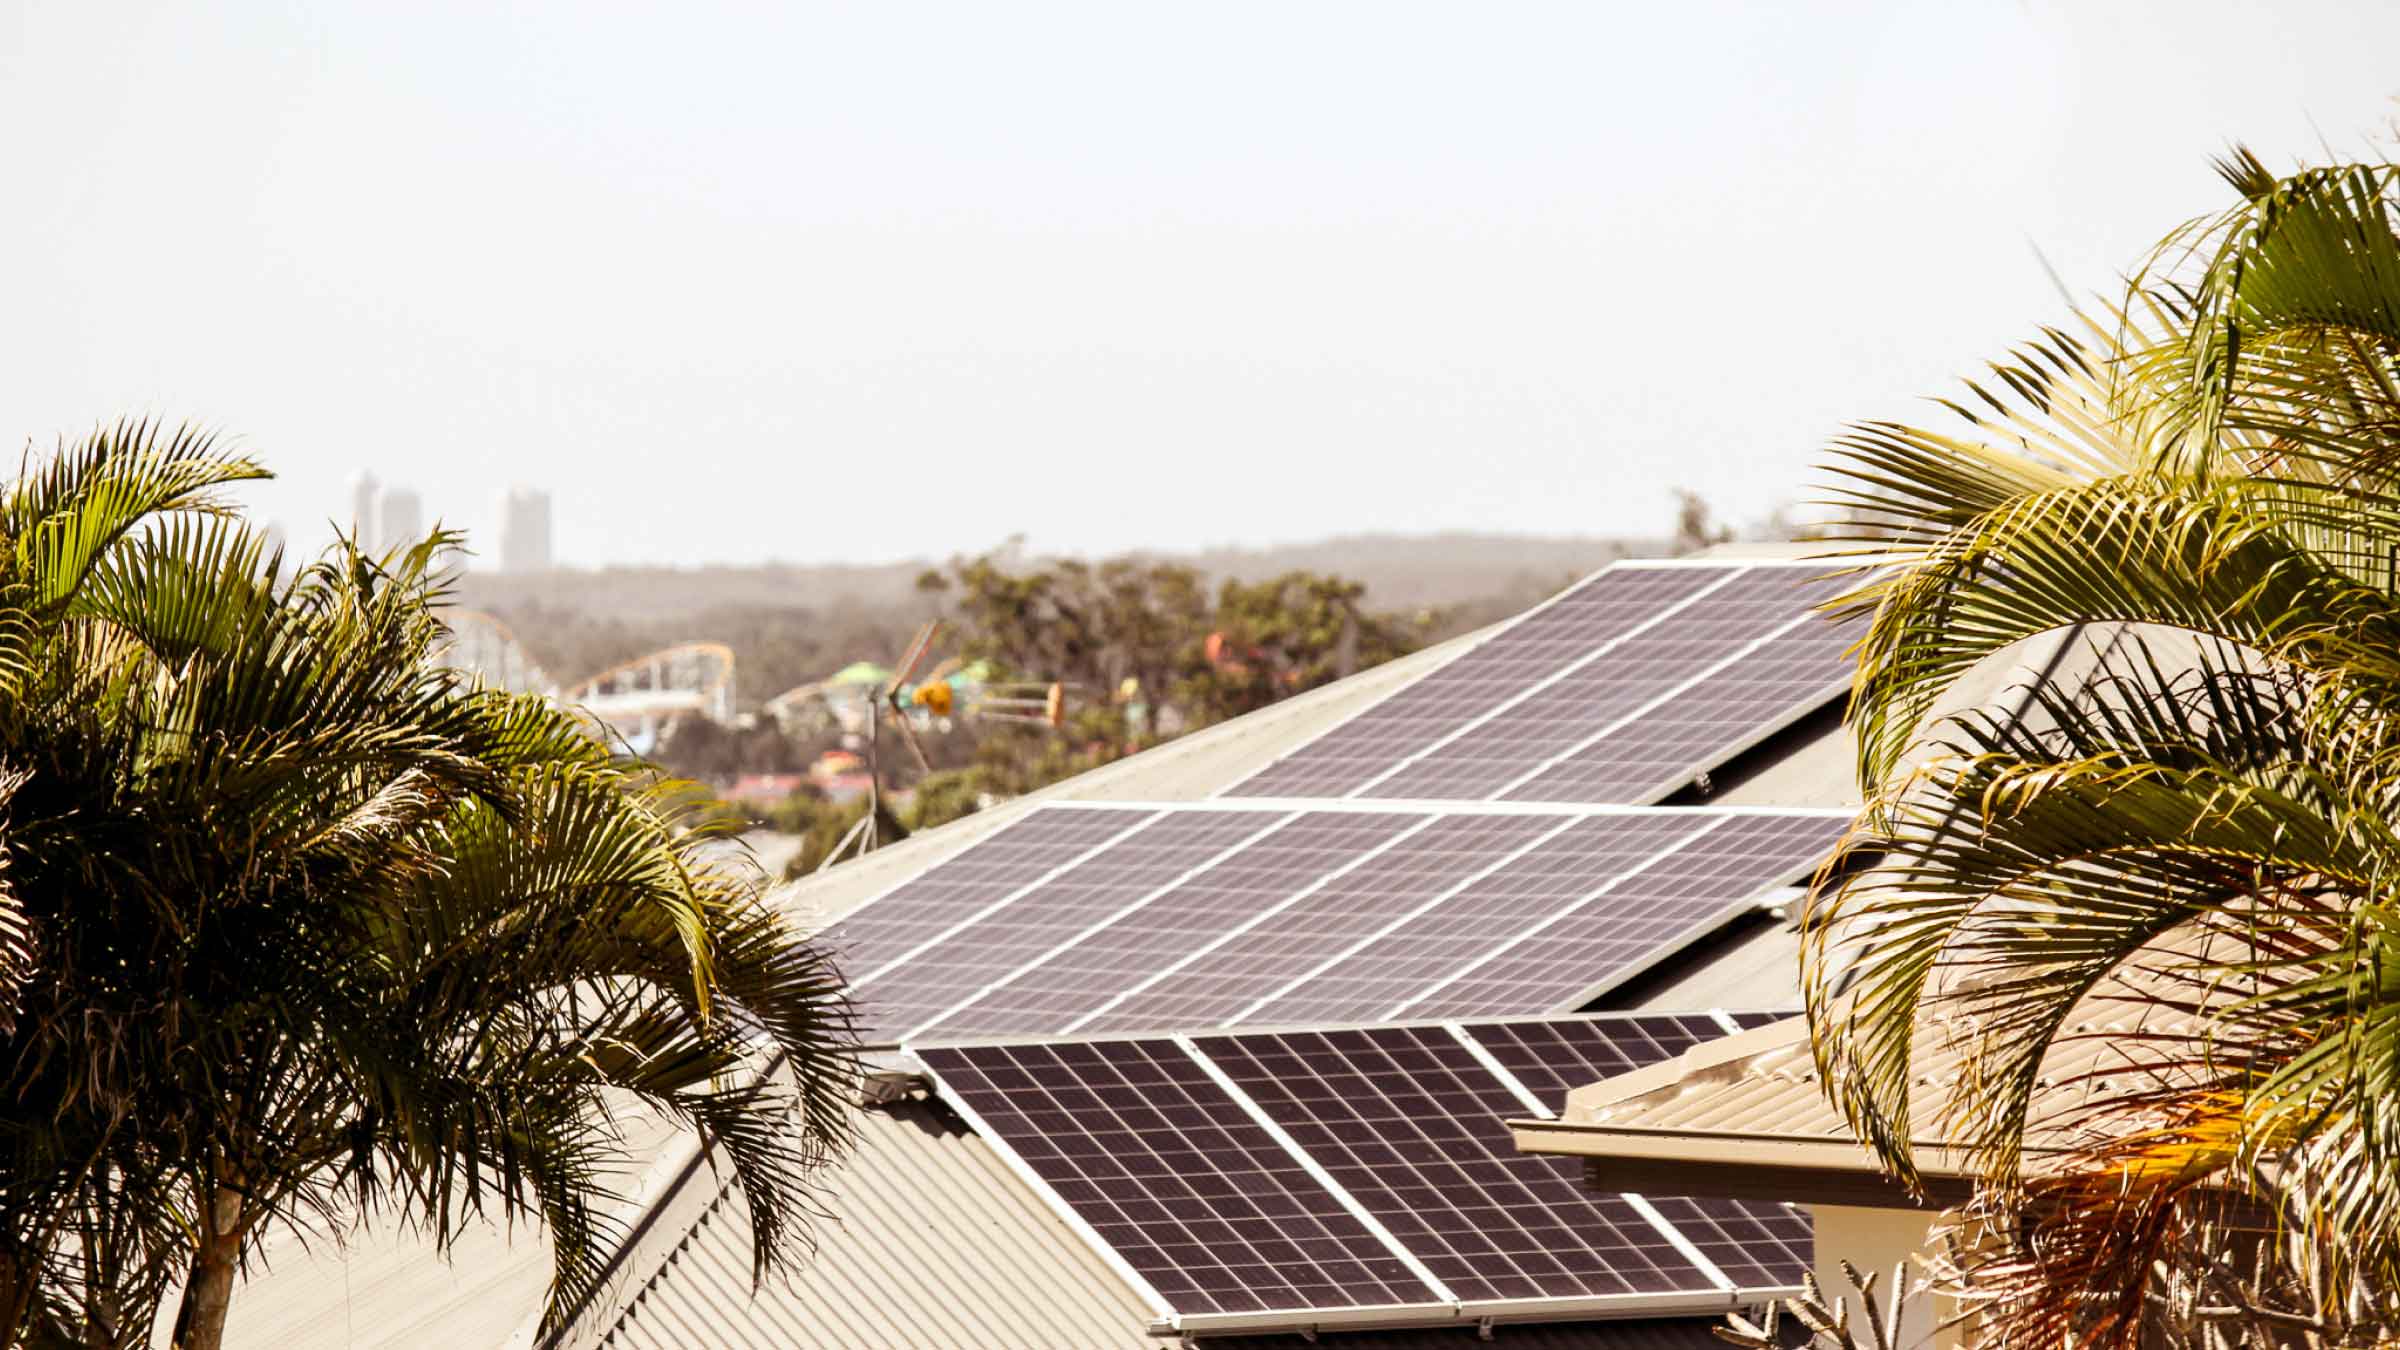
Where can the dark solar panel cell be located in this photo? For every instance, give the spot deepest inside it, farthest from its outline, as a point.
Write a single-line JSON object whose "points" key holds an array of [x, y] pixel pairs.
{"points": [[956, 890], [1174, 1176], [1078, 979], [1051, 913], [1611, 695], [1407, 1122], [1511, 662], [1404, 963], [1231, 976], [1559, 960]]}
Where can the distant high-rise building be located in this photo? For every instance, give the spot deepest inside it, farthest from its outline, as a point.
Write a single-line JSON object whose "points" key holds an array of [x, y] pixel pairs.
{"points": [[525, 531], [365, 495], [402, 521]]}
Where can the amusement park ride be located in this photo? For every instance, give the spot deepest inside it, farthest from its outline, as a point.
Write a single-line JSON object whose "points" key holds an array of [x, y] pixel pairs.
{"points": [[634, 700]]}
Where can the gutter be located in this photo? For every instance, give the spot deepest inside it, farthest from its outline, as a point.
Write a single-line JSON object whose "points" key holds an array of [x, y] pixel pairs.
{"points": [[1600, 1307]]}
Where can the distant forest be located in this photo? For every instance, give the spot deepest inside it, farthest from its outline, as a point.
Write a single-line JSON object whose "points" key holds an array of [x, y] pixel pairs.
{"points": [[789, 624]]}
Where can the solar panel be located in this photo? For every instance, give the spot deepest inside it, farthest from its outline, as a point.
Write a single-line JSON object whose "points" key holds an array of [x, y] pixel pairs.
{"points": [[1754, 1243], [1408, 1122], [1654, 753], [1040, 918], [1572, 955], [930, 905], [1194, 917], [1416, 952], [1303, 1172], [1635, 696], [1539, 646], [1173, 1176], [1076, 978], [1621, 690], [1216, 980]]}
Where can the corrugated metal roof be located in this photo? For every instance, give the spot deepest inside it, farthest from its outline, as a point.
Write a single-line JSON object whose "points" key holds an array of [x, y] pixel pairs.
{"points": [[929, 1241]]}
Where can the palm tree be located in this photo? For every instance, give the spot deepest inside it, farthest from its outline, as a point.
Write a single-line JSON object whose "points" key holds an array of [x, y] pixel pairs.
{"points": [[299, 925], [2185, 869]]}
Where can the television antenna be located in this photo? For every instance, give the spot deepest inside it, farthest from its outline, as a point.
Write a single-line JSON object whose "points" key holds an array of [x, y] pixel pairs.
{"points": [[1029, 702]]}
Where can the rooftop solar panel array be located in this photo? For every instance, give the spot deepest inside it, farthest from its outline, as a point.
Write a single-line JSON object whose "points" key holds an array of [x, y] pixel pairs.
{"points": [[1302, 1172], [1545, 642], [1620, 690], [1569, 955], [1407, 1121], [1419, 953], [1013, 929], [1172, 1175], [1076, 978], [1192, 917]]}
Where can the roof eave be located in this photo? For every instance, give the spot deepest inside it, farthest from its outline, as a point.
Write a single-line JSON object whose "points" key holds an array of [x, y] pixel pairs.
{"points": [[1767, 1167]]}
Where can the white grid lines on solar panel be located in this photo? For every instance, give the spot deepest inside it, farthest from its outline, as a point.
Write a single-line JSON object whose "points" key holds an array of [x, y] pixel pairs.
{"points": [[1623, 689], [1741, 1243], [1218, 914], [1622, 696], [1408, 1123], [1165, 1168], [1400, 1131], [1077, 976], [962, 890], [1681, 598], [1540, 646], [1419, 951], [1712, 715], [1577, 952], [1068, 899], [1214, 984]]}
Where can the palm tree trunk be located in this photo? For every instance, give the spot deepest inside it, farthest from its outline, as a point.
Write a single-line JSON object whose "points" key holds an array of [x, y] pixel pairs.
{"points": [[200, 1321]]}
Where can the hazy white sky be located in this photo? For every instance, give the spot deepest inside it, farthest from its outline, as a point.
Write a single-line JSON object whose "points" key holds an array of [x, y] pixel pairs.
{"points": [[818, 282]]}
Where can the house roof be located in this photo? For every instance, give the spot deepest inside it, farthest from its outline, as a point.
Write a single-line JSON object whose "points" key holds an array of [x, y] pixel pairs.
{"points": [[927, 1241], [1747, 1115], [931, 1243]]}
